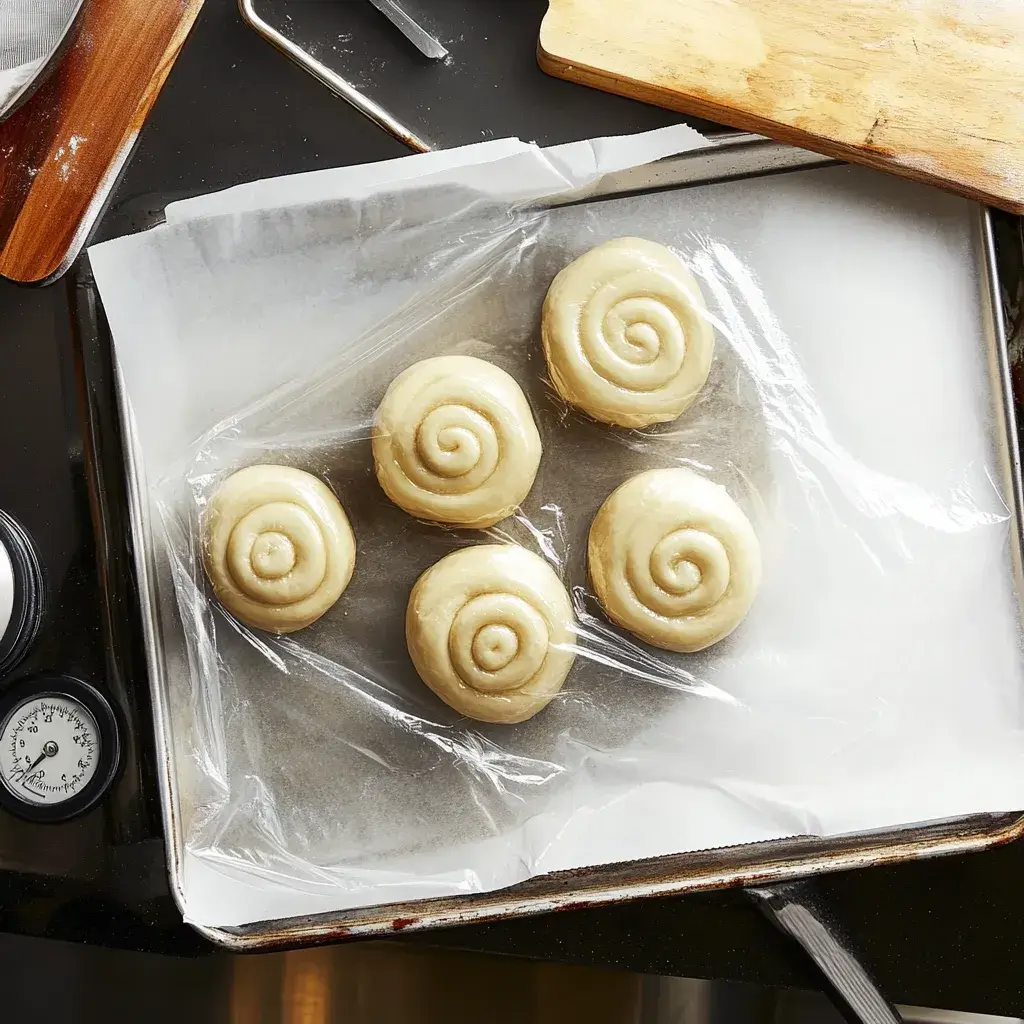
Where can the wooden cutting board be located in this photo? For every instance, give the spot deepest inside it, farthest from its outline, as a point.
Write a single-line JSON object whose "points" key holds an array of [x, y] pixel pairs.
{"points": [[929, 89], [62, 151]]}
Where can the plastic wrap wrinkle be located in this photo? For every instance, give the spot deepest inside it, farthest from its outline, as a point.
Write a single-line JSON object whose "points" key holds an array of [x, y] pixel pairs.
{"points": [[875, 682], [505, 168]]}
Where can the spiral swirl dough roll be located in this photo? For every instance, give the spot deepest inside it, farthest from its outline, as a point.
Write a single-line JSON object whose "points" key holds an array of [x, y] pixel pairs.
{"points": [[626, 334], [674, 560], [489, 630], [279, 549], [455, 442]]}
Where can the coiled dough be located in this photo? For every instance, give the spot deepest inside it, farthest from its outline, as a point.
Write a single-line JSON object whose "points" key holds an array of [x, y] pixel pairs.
{"points": [[490, 630], [279, 549], [674, 560], [455, 442], [626, 333]]}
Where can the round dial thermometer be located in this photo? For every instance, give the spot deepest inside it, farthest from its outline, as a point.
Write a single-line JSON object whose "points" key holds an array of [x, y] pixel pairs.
{"points": [[59, 747]]}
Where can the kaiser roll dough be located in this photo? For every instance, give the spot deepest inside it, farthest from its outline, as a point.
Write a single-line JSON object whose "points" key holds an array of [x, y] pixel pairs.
{"points": [[626, 333], [279, 549], [455, 442], [490, 630], [674, 560]]}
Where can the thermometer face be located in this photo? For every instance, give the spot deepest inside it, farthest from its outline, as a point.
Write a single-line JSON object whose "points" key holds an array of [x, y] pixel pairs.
{"points": [[58, 748], [49, 749]]}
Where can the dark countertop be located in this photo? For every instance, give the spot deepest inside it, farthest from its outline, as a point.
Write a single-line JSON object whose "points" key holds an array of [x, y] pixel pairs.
{"points": [[941, 933]]}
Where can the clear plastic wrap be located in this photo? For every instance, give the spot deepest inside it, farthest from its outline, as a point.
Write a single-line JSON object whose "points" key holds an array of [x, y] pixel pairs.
{"points": [[323, 760]]}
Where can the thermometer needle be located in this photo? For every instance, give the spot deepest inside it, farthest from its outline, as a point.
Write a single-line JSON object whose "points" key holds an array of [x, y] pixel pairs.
{"points": [[49, 749]]}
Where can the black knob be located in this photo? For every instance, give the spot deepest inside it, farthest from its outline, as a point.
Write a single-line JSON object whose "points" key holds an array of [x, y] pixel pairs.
{"points": [[21, 593]]}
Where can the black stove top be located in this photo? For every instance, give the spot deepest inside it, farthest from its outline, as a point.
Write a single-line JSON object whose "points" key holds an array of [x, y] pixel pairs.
{"points": [[70, 634]]}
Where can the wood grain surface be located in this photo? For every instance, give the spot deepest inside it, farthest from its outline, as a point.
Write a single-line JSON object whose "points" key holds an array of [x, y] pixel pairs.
{"points": [[61, 152], [929, 89]]}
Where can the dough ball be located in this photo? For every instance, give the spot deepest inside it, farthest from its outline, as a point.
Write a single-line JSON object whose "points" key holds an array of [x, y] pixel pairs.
{"points": [[279, 549], [626, 334], [490, 630], [455, 442], [674, 560]]}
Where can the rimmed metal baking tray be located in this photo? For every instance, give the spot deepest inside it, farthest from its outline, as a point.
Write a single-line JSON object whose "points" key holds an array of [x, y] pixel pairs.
{"points": [[726, 158]]}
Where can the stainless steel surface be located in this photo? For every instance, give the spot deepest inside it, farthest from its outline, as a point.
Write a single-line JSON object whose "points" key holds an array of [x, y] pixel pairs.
{"points": [[338, 85], [384, 983], [415, 33], [730, 157]]}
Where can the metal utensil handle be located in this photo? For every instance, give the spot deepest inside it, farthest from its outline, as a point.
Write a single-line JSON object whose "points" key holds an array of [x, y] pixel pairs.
{"points": [[797, 909], [338, 85], [411, 29]]}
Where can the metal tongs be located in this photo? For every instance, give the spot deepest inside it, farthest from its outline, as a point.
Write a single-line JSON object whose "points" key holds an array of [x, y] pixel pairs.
{"points": [[409, 27]]}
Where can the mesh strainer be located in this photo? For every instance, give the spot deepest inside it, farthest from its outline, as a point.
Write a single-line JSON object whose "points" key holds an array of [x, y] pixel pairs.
{"points": [[31, 36]]}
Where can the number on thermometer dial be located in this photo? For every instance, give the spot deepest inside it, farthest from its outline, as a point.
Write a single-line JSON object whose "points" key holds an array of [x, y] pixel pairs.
{"points": [[49, 749]]}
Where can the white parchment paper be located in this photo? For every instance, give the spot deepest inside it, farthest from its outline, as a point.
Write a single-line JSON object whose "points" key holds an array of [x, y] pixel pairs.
{"points": [[897, 700]]}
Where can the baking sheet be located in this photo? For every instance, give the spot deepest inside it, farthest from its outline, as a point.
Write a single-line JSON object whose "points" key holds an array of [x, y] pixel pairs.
{"points": [[875, 284]]}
